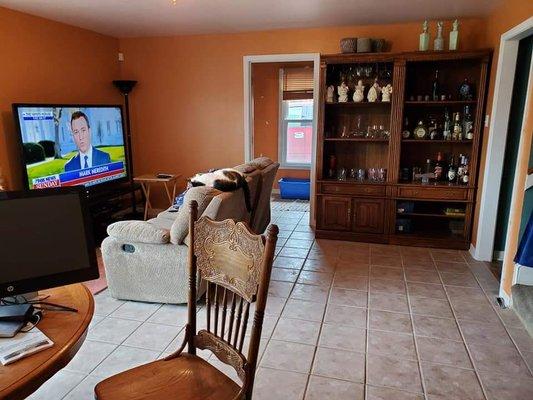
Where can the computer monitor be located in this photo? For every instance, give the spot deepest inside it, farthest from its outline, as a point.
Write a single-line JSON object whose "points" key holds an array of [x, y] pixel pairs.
{"points": [[45, 240]]}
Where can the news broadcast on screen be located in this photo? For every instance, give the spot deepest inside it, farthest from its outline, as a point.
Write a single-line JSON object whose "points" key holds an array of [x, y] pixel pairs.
{"points": [[69, 145]]}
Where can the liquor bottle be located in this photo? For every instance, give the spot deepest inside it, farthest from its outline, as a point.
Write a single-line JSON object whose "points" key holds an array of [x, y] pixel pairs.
{"points": [[428, 166], [460, 168], [457, 133], [447, 131], [466, 173], [406, 133], [465, 91], [420, 131], [452, 171], [435, 89], [439, 167], [468, 124], [433, 128]]}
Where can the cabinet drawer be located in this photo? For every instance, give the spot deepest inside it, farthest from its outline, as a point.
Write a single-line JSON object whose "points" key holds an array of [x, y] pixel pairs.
{"points": [[433, 193], [357, 190]]}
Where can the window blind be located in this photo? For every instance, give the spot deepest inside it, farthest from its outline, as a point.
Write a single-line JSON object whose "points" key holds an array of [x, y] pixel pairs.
{"points": [[297, 83]]}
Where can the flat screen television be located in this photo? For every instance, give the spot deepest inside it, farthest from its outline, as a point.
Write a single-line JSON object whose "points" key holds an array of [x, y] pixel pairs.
{"points": [[68, 145], [45, 240]]}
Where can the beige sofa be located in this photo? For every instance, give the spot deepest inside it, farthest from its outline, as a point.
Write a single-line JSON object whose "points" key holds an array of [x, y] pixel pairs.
{"points": [[147, 261]]}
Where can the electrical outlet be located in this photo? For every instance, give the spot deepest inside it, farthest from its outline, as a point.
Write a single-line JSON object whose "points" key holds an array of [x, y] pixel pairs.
{"points": [[121, 56], [487, 120]]}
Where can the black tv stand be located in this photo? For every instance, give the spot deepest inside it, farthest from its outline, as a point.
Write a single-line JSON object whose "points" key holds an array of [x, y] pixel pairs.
{"points": [[111, 204]]}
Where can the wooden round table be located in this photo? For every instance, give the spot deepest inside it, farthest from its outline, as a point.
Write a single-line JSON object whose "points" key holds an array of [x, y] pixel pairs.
{"points": [[66, 329]]}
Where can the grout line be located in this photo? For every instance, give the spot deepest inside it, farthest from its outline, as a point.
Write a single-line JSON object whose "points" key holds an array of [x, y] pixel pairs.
{"points": [[530, 369], [367, 339], [417, 351], [481, 385], [321, 326]]}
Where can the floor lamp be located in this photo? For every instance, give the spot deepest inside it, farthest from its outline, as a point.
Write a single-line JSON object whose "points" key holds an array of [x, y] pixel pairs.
{"points": [[125, 87]]}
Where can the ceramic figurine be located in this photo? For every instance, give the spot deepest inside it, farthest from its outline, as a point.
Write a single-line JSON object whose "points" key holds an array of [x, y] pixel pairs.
{"points": [[385, 93], [342, 90], [330, 94], [358, 95], [424, 38], [373, 93], [438, 43], [454, 36]]}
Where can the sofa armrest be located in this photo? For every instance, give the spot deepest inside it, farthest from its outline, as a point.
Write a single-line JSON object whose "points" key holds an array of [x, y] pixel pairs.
{"points": [[138, 231]]}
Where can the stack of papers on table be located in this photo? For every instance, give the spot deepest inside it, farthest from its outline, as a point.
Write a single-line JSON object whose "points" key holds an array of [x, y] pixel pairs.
{"points": [[22, 345]]}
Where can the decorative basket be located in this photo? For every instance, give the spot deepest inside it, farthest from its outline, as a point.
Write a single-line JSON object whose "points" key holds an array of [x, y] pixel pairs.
{"points": [[364, 45], [348, 45], [378, 45]]}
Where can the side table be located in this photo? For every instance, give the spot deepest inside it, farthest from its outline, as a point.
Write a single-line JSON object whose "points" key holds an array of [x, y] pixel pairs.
{"points": [[146, 182]]}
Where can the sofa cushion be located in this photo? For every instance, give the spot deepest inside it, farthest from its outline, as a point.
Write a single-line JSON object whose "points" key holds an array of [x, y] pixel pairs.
{"points": [[261, 162], [203, 196], [138, 231]]}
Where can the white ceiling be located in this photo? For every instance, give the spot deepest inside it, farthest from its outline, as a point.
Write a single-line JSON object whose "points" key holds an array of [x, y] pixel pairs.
{"points": [[131, 18]]}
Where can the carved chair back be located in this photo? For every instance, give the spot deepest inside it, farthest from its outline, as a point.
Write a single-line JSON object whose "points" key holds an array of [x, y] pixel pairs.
{"points": [[235, 265]]}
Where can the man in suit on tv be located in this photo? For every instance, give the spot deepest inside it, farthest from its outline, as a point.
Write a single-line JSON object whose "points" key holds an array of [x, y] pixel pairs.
{"points": [[88, 156]]}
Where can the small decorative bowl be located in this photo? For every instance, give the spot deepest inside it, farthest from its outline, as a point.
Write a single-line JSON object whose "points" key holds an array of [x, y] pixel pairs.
{"points": [[348, 45], [364, 45]]}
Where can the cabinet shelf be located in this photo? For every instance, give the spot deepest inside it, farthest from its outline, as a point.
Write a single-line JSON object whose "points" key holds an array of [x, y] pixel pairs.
{"points": [[352, 182], [434, 184], [356, 140], [456, 216], [361, 104], [426, 141], [440, 103]]}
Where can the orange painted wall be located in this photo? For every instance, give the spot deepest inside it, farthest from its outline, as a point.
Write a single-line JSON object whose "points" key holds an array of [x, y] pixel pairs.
{"points": [[265, 90], [188, 107], [502, 19], [49, 62]]}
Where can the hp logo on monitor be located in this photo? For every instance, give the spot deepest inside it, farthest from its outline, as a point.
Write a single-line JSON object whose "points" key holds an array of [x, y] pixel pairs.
{"points": [[10, 288]]}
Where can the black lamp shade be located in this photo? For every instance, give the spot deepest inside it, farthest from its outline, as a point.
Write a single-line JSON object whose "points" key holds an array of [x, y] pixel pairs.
{"points": [[124, 86]]}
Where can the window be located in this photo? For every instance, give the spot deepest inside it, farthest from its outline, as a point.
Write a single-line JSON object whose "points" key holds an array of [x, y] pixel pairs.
{"points": [[296, 117]]}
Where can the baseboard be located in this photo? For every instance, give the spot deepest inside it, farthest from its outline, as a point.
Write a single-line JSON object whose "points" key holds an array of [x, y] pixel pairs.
{"points": [[523, 275], [472, 251], [498, 255]]}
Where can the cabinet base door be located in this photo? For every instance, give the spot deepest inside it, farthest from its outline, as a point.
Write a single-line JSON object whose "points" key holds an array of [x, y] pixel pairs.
{"points": [[336, 213], [369, 215]]}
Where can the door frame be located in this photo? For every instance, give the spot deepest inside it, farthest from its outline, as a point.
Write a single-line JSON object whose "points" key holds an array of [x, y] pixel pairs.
{"points": [[501, 106], [249, 107]]}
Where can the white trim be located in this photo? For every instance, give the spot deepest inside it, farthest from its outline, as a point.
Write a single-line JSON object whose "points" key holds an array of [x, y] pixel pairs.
{"points": [[472, 250], [501, 106], [507, 301], [248, 105], [529, 182], [523, 275]]}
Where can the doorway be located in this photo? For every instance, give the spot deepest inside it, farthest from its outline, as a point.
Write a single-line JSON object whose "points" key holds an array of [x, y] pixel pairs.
{"points": [[280, 116], [523, 66]]}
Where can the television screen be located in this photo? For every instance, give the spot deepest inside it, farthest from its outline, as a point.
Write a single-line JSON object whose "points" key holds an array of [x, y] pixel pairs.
{"points": [[67, 145]]}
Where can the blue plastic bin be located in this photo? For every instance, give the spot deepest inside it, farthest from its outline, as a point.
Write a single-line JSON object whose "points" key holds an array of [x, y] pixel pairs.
{"points": [[295, 188]]}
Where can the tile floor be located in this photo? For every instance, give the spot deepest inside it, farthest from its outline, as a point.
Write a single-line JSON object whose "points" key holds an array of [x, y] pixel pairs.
{"points": [[344, 321]]}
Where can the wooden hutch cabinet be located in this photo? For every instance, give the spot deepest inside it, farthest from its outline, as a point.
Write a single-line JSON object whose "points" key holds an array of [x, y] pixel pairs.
{"points": [[402, 171]]}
